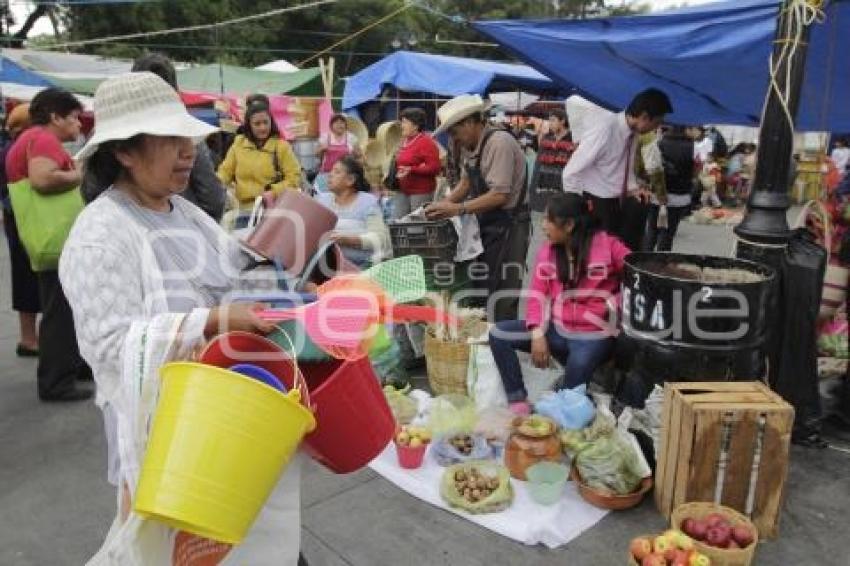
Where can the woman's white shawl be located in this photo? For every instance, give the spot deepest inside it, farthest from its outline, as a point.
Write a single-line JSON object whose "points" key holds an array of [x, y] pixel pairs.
{"points": [[115, 288]]}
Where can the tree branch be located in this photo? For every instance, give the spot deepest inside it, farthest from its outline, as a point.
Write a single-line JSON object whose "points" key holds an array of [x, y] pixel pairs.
{"points": [[21, 35]]}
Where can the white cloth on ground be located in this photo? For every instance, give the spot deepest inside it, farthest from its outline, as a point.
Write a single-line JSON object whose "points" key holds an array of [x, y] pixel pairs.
{"points": [[524, 521]]}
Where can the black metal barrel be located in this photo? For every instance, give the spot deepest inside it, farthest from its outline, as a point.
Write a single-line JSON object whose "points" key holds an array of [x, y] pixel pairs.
{"points": [[692, 317]]}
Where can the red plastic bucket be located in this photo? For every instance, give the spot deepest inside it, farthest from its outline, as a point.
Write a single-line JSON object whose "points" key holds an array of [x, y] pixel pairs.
{"points": [[238, 347], [410, 458], [355, 423]]}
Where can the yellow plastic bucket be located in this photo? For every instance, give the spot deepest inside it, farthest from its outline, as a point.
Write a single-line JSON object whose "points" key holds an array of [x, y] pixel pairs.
{"points": [[218, 445]]}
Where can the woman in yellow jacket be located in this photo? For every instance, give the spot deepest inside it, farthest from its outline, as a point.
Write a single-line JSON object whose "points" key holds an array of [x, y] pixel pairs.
{"points": [[259, 160]]}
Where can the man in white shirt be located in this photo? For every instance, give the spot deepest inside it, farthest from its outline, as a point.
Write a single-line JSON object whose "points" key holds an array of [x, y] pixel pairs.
{"points": [[703, 145], [841, 155], [603, 166]]}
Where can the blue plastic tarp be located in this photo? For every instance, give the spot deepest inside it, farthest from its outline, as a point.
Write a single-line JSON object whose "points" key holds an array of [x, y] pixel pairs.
{"points": [[11, 72], [442, 75], [712, 60]]}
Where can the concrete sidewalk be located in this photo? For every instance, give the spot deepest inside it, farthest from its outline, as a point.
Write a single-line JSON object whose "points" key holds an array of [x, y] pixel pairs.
{"points": [[55, 504]]}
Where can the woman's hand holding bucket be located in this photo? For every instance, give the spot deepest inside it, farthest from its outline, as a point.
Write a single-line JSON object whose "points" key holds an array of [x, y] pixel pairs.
{"points": [[237, 316]]}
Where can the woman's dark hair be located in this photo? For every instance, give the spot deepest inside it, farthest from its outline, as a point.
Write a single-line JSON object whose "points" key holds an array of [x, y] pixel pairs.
{"points": [[415, 116], [338, 118], [159, 65], [53, 100], [257, 98], [354, 168], [256, 108], [102, 168], [560, 209]]}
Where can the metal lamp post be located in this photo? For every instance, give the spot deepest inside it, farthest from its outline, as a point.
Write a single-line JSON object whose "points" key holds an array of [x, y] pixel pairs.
{"points": [[765, 225]]}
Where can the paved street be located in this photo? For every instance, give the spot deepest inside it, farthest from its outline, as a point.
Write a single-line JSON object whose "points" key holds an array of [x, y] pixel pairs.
{"points": [[55, 504]]}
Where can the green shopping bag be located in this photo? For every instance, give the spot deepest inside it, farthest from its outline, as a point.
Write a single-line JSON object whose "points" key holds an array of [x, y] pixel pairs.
{"points": [[44, 221]]}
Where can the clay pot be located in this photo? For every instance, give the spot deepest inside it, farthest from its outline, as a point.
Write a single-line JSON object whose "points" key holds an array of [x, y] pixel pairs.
{"points": [[524, 449]]}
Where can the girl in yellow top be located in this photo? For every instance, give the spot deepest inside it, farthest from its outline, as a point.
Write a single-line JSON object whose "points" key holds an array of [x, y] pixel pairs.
{"points": [[260, 160]]}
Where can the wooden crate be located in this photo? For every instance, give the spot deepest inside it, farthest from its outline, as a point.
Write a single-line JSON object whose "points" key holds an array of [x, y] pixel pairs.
{"points": [[700, 419]]}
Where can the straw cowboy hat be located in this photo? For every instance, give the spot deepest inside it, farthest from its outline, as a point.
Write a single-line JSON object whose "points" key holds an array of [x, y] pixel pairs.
{"points": [[140, 103], [459, 108], [18, 119]]}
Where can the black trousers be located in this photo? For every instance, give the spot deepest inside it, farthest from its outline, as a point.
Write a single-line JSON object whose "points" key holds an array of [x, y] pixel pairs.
{"points": [[59, 362], [662, 238], [625, 218], [505, 251], [24, 280]]}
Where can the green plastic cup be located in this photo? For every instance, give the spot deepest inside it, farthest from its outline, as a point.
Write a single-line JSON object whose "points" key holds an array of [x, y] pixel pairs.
{"points": [[546, 481]]}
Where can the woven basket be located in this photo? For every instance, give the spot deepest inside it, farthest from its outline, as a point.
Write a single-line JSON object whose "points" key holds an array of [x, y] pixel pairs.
{"points": [[718, 556], [447, 365]]}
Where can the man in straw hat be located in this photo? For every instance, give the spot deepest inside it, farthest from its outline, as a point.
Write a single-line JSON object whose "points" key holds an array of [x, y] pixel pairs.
{"points": [[493, 187]]}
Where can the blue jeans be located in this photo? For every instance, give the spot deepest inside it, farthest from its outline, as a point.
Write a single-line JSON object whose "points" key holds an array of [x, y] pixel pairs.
{"points": [[580, 356]]}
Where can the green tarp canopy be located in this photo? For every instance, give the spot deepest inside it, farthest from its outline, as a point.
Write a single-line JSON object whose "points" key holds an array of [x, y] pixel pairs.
{"points": [[78, 85], [230, 79]]}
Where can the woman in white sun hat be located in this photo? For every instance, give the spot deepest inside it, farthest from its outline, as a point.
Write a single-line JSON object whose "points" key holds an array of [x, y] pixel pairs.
{"points": [[147, 276]]}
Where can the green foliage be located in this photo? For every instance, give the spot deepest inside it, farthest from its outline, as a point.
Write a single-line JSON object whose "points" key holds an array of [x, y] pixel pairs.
{"points": [[297, 35]]}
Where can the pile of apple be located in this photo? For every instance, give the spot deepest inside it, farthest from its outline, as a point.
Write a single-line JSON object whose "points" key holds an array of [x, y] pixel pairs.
{"points": [[413, 436], [716, 530], [672, 548]]}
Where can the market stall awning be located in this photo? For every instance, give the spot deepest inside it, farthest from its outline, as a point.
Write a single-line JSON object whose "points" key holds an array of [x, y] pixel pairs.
{"points": [[230, 79], [711, 59], [443, 75], [11, 72]]}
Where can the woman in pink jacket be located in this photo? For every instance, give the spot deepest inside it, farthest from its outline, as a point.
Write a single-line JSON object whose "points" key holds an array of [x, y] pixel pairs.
{"points": [[572, 302]]}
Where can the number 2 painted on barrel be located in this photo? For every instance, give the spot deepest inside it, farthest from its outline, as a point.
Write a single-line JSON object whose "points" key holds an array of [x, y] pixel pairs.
{"points": [[707, 293]]}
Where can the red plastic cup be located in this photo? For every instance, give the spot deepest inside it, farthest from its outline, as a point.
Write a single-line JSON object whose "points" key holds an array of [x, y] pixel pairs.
{"points": [[410, 458]]}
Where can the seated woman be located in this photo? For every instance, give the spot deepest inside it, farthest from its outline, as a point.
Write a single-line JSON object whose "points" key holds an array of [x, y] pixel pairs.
{"points": [[573, 291], [360, 229], [147, 275]]}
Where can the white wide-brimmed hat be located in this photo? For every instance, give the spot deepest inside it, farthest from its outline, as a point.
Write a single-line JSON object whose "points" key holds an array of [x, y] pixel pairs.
{"points": [[458, 108], [140, 103]]}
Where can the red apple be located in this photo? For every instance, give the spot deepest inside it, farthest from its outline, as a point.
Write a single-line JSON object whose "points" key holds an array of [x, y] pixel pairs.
{"points": [[682, 558], [718, 536], [688, 526], [716, 519], [640, 547], [653, 560], [700, 529], [743, 535]]}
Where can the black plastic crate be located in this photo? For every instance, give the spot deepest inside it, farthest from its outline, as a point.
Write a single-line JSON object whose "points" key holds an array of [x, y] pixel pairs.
{"points": [[433, 240]]}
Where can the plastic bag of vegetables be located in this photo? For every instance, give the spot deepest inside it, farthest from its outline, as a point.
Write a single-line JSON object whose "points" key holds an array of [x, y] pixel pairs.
{"points": [[404, 408], [460, 447], [611, 461], [452, 413], [570, 408], [477, 487]]}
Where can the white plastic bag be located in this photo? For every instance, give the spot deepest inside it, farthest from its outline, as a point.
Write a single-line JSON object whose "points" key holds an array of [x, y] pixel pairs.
{"points": [[648, 419], [539, 381], [483, 381]]}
